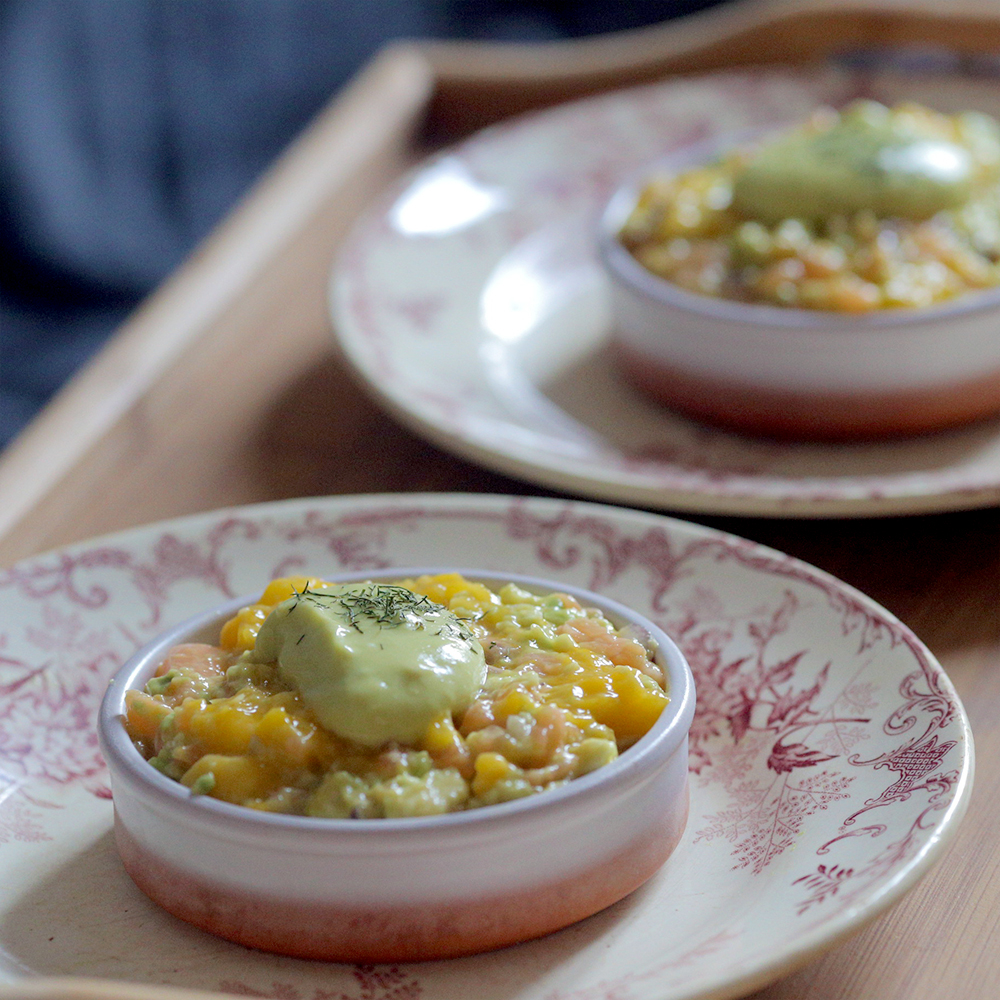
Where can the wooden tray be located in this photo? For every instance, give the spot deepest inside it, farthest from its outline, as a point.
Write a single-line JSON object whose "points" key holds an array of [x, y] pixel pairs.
{"points": [[225, 388]]}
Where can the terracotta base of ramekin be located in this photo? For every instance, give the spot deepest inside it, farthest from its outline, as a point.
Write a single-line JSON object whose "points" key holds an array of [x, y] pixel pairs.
{"points": [[825, 416], [406, 933]]}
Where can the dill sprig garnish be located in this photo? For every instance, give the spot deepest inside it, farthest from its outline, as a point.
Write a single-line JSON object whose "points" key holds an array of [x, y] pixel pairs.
{"points": [[387, 606]]}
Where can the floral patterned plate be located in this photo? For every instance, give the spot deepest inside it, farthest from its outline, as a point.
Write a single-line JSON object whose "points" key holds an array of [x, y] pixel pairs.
{"points": [[471, 302], [830, 758]]}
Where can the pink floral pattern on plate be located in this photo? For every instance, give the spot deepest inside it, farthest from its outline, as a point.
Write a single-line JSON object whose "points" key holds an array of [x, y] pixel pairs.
{"points": [[830, 758], [484, 325]]}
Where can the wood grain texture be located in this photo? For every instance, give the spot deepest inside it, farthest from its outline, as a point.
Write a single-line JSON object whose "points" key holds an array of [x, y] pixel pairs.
{"points": [[226, 389], [202, 361]]}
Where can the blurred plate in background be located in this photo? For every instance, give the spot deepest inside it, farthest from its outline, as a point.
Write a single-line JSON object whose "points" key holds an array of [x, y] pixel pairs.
{"points": [[470, 301]]}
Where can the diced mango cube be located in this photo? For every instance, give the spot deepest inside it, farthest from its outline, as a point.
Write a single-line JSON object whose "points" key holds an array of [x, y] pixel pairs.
{"points": [[240, 632], [217, 728], [516, 700], [237, 778], [444, 588], [288, 738], [630, 708], [441, 735], [489, 769], [285, 586]]}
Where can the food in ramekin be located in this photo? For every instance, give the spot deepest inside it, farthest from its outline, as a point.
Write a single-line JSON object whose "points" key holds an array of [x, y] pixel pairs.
{"points": [[858, 317], [864, 209], [413, 887], [412, 698]]}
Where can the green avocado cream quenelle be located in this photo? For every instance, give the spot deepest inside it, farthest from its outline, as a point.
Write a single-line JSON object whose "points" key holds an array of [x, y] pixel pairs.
{"points": [[374, 662], [870, 159]]}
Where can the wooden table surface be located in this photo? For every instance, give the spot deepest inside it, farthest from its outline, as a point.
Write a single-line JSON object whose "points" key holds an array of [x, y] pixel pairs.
{"points": [[227, 388]]}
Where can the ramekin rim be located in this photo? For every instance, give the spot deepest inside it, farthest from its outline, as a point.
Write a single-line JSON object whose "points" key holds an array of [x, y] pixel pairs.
{"points": [[623, 267], [632, 767]]}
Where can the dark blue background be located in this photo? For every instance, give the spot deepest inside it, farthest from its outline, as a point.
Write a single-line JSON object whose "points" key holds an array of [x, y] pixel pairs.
{"points": [[129, 127]]}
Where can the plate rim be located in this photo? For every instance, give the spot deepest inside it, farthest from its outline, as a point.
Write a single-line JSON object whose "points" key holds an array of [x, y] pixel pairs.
{"points": [[804, 947]]}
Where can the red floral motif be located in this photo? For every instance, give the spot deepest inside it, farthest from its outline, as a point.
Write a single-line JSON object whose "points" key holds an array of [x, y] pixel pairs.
{"points": [[621, 987], [38, 580], [568, 538], [49, 703], [357, 541], [18, 820], [374, 983], [761, 702], [785, 757], [737, 693], [52, 738], [766, 818], [47, 708], [918, 764], [174, 561], [825, 882]]}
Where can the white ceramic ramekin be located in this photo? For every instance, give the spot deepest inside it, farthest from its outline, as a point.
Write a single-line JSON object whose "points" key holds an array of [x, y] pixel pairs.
{"points": [[799, 372], [402, 889]]}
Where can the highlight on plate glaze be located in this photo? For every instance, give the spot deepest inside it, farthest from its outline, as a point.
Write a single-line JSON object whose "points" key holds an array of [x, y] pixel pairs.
{"points": [[827, 749]]}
